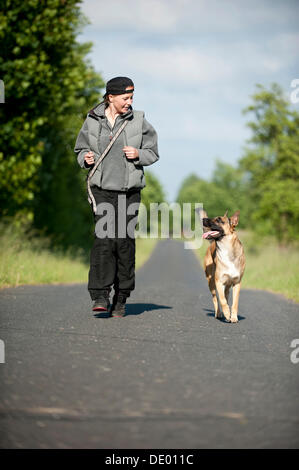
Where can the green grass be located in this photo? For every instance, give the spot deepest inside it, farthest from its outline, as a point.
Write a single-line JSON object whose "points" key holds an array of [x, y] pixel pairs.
{"points": [[144, 248], [268, 265], [29, 260]]}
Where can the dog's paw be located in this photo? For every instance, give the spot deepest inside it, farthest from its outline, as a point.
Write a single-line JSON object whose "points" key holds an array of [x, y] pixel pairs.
{"points": [[218, 314], [227, 316], [234, 319]]}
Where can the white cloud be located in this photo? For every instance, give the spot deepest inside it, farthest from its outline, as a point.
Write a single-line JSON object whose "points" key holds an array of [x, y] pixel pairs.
{"points": [[139, 15], [166, 16], [177, 64], [192, 65], [197, 57]]}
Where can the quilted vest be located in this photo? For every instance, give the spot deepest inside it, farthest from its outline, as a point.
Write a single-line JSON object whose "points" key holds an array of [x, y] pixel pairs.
{"points": [[132, 132]]}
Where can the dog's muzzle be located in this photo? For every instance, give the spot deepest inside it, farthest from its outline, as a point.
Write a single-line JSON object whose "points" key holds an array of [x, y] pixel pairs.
{"points": [[215, 232]]}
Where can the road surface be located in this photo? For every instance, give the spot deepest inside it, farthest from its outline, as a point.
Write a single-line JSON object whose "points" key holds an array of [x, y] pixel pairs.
{"points": [[168, 375]]}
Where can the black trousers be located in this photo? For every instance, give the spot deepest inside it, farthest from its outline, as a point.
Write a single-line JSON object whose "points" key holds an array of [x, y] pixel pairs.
{"points": [[112, 257]]}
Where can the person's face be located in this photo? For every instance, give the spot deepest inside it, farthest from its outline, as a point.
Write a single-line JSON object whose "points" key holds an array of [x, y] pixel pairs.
{"points": [[121, 103]]}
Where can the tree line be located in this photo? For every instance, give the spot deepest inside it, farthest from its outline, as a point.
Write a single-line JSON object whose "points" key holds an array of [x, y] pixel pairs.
{"points": [[50, 85], [264, 185]]}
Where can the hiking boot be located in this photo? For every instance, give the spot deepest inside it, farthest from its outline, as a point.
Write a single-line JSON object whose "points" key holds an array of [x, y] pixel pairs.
{"points": [[119, 306], [101, 304]]}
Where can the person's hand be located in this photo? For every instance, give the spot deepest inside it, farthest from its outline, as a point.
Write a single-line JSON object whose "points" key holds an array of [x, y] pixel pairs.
{"points": [[131, 152], [89, 158]]}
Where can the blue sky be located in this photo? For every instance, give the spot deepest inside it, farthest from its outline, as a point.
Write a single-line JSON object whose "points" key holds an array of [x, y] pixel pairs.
{"points": [[195, 64]]}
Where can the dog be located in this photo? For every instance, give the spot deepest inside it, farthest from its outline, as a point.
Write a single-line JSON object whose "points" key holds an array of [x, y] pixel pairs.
{"points": [[224, 262]]}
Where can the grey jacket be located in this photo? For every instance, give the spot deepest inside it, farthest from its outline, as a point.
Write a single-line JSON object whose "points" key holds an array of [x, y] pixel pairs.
{"points": [[116, 172]]}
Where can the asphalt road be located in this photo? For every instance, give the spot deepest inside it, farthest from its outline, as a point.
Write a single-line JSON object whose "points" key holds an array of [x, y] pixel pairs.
{"points": [[168, 375]]}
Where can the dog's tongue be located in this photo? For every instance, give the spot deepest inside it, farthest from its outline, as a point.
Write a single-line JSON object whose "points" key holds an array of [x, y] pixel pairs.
{"points": [[212, 233]]}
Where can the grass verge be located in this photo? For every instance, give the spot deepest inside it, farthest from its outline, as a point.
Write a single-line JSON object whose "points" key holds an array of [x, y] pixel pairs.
{"points": [[29, 260], [268, 266]]}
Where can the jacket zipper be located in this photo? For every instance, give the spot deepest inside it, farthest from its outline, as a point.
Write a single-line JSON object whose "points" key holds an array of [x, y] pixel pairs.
{"points": [[126, 163], [124, 156]]}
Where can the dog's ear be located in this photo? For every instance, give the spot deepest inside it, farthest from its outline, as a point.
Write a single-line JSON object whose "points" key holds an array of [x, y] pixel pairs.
{"points": [[234, 219], [225, 215]]}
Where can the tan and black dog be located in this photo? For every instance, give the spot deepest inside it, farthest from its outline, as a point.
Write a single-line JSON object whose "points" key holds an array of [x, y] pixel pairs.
{"points": [[224, 262]]}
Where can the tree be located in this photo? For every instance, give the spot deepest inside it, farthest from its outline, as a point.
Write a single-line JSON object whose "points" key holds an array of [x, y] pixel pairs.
{"points": [[225, 191], [49, 86], [234, 185], [271, 161]]}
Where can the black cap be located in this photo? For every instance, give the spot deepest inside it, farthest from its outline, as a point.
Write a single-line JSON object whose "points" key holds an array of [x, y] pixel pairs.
{"points": [[118, 85]]}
